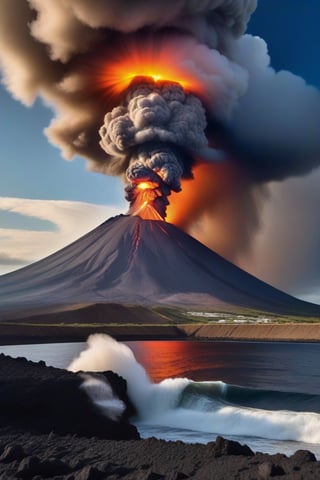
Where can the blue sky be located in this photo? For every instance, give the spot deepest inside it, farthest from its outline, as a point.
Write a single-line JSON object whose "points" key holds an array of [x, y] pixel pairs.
{"points": [[32, 169]]}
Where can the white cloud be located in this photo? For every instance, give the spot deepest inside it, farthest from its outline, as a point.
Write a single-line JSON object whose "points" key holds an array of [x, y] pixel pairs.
{"points": [[71, 220]]}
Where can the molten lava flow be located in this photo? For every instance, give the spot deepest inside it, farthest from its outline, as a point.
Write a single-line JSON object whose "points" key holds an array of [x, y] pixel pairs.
{"points": [[145, 203]]}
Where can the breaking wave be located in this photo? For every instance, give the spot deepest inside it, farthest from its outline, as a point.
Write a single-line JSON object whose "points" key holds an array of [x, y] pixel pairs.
{"points": [[212, 407]]}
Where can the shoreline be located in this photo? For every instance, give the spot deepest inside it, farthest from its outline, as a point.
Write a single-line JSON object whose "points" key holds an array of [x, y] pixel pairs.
{"points": [[50, 428], [19, 334], [78, 458], [73, 457]]}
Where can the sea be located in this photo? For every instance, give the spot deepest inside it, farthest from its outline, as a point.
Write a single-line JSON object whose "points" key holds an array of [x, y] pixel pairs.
{"points": [[263, 394]]}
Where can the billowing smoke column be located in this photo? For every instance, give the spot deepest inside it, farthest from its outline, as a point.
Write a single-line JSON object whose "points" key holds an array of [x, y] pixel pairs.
{"points": [[172, 86], [156, 131]]}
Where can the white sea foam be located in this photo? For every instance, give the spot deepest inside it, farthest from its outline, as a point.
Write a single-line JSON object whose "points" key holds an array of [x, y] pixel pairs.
{"points": [[103, 396], [158, 404]]}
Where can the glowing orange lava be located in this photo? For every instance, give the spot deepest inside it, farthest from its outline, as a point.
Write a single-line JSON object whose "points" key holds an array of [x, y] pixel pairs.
{"points": [[147, 185], [155, 58], [147, 193]]}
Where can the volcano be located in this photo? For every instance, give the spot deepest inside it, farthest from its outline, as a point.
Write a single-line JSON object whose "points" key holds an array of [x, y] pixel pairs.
{"points": [[132, 261]]}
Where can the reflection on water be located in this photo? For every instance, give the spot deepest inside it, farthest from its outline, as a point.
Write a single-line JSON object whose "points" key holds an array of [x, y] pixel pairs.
{"points": [[58, 355], [291, 367], [270, 365]]}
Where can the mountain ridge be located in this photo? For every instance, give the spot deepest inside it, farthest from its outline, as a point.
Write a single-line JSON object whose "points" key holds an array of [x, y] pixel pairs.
{"points": [[129, 260]]}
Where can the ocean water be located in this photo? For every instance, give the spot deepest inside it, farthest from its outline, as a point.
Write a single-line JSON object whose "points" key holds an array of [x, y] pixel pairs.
{"points": [[266, 395]]}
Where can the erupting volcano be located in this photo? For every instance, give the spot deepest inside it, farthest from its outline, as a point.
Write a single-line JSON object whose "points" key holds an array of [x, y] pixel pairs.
{"points": [[156, 133], [151, 92], [132, 261], [148, 201]]}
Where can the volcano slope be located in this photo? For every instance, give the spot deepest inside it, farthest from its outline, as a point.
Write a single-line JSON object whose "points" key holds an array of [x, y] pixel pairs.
{"points": [[131, 261]]}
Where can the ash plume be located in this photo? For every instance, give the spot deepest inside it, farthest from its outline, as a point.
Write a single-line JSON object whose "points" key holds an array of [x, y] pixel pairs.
{"points": [[154, 135], [208, 94], [155, 112]]}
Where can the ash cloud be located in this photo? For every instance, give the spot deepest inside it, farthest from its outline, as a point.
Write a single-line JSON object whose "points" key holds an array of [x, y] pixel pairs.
{"points": [[144, 133], [155, 111], [286, 250], [276, 124], [266, 123], [50, 49]]}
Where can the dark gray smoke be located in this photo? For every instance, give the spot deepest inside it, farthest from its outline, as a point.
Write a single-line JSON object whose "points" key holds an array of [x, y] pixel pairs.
{"points": [[160, 112], [55, 49], [155, 134], [266, 123]]}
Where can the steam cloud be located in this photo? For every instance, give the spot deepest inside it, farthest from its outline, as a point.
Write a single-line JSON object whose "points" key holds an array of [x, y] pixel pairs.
{"points": [[264, 125]]}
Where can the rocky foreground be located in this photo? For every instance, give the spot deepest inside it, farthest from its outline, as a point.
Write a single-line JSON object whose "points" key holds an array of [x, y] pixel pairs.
{"points": [[49, 428]]}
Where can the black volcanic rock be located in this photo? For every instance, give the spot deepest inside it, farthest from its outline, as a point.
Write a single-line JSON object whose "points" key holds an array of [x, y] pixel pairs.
{"points": [[148, 459], [230, 447], [11, 453], [129, 260], [46, 399]]}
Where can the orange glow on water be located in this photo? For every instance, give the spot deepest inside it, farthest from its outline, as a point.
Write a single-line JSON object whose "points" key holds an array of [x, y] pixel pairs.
{"points": [[177, 358]]}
